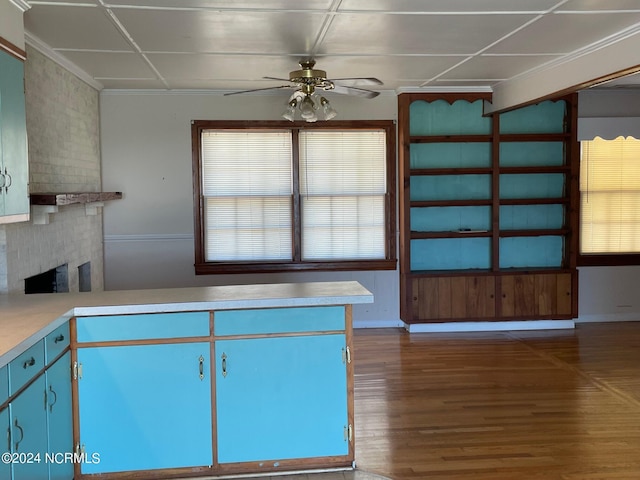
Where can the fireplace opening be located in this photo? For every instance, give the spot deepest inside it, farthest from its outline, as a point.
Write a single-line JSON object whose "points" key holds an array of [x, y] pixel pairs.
{"points": [[55, 280]]}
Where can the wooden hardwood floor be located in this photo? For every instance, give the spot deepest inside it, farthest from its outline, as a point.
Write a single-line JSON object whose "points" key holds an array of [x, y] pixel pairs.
{"points": [[499, 406]]}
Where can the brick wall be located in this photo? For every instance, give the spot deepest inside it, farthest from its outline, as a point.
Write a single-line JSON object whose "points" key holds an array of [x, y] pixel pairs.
{"points": [[64, 156]]}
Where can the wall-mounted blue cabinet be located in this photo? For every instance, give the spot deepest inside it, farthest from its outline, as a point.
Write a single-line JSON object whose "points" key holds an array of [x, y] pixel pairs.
{"points": [[484, 196], [14, 170]]}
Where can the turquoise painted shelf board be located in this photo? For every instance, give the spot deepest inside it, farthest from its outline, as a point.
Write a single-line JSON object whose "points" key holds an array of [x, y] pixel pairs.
{"points": [[531, 217], [451, 254], [528, 154], [448, 219], [450, 155], [308, 421], [521, 252], [442, 118], [278, 320], [544, 117], [450, 187], [531, 185]]}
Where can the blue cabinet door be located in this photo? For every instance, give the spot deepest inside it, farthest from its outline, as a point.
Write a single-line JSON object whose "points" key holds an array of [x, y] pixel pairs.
{"points": [[13, 138], [281, 398], [5, 443], [59, 418], [29, 432], [145, 407]]}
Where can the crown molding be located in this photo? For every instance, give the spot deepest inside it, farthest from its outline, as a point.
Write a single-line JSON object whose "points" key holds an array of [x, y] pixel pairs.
{"points": [[445, 89], [21, 4], [64, 62]]}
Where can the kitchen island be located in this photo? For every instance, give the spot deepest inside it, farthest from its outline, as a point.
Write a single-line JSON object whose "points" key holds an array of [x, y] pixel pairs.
{"points": [[181, 382]]}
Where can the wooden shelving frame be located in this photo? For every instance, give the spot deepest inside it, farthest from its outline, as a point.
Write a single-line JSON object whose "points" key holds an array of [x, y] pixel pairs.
{"points": [[492, 293]]}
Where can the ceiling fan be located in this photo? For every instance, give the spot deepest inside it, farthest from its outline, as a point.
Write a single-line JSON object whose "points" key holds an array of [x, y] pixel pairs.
{"points": [[307, 81]]}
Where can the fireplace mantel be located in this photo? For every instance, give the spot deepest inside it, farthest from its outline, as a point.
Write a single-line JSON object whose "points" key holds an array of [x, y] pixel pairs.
{"points": [[43, 204]]}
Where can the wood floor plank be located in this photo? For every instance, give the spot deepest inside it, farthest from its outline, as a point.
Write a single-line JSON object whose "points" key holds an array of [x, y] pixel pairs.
{"points": [[508, 405]]}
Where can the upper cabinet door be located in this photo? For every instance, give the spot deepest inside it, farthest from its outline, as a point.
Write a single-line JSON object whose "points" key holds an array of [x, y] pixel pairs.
{"points": [[14, 177]]}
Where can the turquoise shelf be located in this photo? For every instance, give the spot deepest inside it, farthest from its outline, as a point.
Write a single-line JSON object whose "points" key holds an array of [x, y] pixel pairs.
{"points": [[451, 254], [443, 118], [450, 155], [450, 219], [531, 252], [531, 185], [544, 117], [451, 187], [532, 154], [531, 217]]}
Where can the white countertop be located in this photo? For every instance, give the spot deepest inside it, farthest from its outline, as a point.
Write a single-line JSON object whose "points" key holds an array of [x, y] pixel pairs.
{"points": [[25, 319]]}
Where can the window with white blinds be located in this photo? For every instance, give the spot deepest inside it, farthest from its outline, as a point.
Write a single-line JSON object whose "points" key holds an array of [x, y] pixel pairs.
{"points": [[295, 197], [610, 196], [247, 186], [343, 188]]}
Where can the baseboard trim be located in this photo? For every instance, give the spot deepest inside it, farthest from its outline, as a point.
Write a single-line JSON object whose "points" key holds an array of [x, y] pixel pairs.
{"points": [[378, 324], [452, 327], [608, 317]]}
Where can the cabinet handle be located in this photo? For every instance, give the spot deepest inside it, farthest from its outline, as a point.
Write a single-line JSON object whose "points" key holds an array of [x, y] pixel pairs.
{"points": [[29, 363], [21, 433], [7, 185], [55, 398], [201, 367], [4, 180], [224, 364], [58, 339], [346, 355]]}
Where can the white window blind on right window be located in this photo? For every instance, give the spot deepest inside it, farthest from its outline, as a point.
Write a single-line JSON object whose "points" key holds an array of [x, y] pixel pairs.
{"points": [[610, 196], [343, 189]]}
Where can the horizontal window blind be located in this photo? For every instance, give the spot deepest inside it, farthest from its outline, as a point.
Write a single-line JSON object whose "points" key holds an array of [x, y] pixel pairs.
{"points": [[343, 188], [247, 186], [610, 196]]}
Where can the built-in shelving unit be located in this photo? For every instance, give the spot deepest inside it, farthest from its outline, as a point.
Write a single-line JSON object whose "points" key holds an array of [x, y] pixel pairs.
{"points": [[487, 209]]}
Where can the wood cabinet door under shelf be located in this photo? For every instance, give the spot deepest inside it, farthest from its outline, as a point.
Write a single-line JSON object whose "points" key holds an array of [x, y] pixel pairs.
{"points": [[453, 297]]}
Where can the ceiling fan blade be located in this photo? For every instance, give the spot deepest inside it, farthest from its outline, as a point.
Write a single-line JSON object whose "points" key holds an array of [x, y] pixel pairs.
{"points": [[351, 82], [276, 78], [360, 92], [257, 90]]}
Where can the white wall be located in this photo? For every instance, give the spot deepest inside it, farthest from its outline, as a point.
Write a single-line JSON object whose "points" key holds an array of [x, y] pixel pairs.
{"points": [[146, 154]]}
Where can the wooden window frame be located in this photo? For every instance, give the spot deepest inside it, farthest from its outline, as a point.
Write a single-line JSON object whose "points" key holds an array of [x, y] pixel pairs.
{"points": [[203, 267]]}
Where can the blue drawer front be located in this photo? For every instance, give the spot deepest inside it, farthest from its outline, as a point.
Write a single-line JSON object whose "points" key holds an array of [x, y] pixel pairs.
{"points": [[140, 327], [24, 367], [56, 342], [279, 320], [4, 384]]}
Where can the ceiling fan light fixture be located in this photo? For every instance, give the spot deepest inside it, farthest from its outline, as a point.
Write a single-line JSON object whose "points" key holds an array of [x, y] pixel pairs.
{"points": [[327, 109], [308, 109], [290, 112]]}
